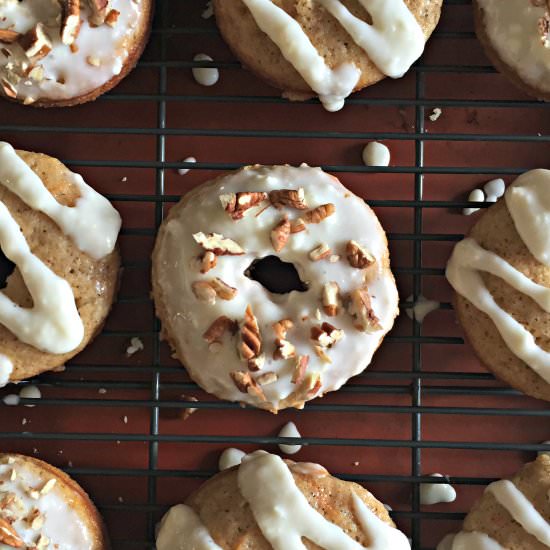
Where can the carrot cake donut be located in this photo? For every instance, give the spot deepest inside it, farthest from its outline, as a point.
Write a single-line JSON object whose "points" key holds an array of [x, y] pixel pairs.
{"points": [[327, 48], [501, 275], [515, 36], [245, 338], [268, 503], [511, 515], [41, 508], [58, 53], [61, 236]]}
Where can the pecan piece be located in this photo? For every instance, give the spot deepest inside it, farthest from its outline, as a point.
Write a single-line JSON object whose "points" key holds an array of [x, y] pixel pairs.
{"points": [[246, 384], [318, 214], [70, 24], [280, 234], [320, 252], [222, 289], [358, 256], [320, 352], [326, 335], [112, 17], [294, 198], [250, 341], [208, 261], [331, 303], [8, 89], [7, 36], [204, 292], [267, 378], [218, 244], [236, 204], [256, 363], [360, 309], [283, 348], [300, 369], [36, 42], [100, 9], [9, 536], [217, 329], [298, 226]]}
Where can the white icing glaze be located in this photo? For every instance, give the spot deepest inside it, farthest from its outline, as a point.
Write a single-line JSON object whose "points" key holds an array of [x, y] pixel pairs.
{"points": [[521, 509], [183, 171], [67, 74], [512, 27], [190, 318], [6, 368], [53, 323], [435, 493], [30, 392], [182, 529], [495, 188], [376, 154], [205, 76], [289, 430], [420, 308], [92, 223], [292, 518], [465, 540], [467, 260], [394, 41], [528, 200], [229, 458], [11, 400], [62, 524], [477, 195]]}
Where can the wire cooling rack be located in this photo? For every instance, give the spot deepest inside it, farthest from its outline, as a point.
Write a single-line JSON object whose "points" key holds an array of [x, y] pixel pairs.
{"points": [[425, 405]]}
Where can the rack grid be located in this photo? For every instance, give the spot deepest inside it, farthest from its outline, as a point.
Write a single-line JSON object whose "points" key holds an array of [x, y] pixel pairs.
{"points": [[115, 422]]}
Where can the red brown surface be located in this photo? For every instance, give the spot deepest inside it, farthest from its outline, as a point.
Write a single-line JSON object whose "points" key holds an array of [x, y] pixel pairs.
{"points": [[364, 432]]}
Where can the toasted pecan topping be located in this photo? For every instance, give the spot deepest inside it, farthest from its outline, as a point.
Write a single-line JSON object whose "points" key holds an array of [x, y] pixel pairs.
{"points": [[256, 363], [250, 341], [283, 348], [217, 329], [318, 214], [331, 303], [298, 226], [218, 244], [300, 369], [320, 252], [236, 204], [70, 23], [320, 352], [280, 234], [293, 198], [358, 256], [208, 261], [246, 384], [100, 9], [7, 36], [36, 42], [9, 536], [8, 89], [267, 378], [360, 309], [204, 292], [112, 17], [326, 335], [222, 289]]}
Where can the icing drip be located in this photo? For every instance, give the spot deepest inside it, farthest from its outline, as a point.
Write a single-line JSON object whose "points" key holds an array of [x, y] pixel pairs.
{"points": [[528, 200], [393, 42], [467, 260], [6, 368], [469, 541], [53, 323], [93, 224], [229, 458], [435, 493], [521, 509], [289, 430], [292, 518], [182, 529]]}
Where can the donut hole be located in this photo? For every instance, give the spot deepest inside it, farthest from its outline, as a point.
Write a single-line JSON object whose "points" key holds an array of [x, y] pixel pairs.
{"points": [[275, 275], [7, 267]]}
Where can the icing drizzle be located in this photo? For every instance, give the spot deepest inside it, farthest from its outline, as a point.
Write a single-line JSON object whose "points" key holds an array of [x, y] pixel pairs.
{"points": [[466, 540], [394, 42], [6, 368]]}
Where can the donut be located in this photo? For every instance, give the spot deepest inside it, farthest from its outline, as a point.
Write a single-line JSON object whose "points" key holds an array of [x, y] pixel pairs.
{"points": [[267, 503], [501, 277], [59, 53], [218, 263], [514, 35], [326, 48], [511, 515], [61, 236], [41, 508]]}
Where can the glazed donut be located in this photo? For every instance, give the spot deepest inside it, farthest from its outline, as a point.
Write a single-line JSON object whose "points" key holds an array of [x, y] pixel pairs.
{"points": [[273, 348], [515, 36], [512, 514], [41, 508], [59, 53], [267, 503], [501, 275], [327, 48], [61, 236]]}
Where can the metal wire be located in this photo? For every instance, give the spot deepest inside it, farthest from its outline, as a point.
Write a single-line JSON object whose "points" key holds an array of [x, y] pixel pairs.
{"points": [[155, 386]]}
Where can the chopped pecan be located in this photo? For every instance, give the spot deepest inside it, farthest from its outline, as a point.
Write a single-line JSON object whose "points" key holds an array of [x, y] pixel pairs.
{"points": [[294, 198], [280, 234], [267, 378], [7, 36], [326, 335], [250, 342], [112, 17], [8, 89], [298, 226], [308, 388], [100, 9], [283, 348], [360, 309], [544, 29], [320, 352], [320, 252], [256, 363], [246, 384], [318, 214], [300, 369], [223, 290], [36, 42], [236, 204], [217, 329], [70, 24], [9, 536], [204, 292], [208, 261], [359, 256], [218, 244], [331, 303]]}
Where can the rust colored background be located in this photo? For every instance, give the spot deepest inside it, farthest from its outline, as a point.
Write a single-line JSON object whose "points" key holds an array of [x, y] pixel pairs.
{"points": [[425, 404]]}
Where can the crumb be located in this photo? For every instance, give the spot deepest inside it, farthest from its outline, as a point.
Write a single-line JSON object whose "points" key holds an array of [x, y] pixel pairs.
{"points": [[120, 499], [102, 391], [135, 345], [208, 11], [189, 410], [70, 464], [356, 463], [124, 179], [125, 419], [436, 113]]}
